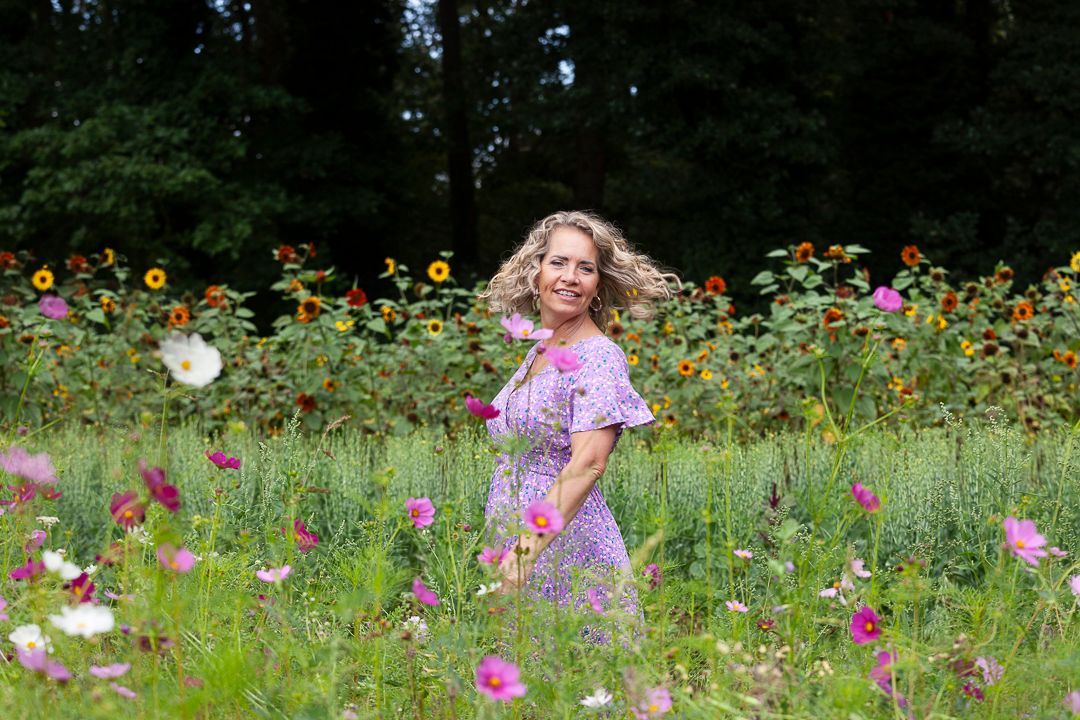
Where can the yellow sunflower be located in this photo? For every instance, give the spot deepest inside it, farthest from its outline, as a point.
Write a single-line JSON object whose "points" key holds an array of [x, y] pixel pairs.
{"points": [[1074, 263], [154, 278], [632, 359], [438, 271], [434, 327], [391, 266], [388, 314], [686, 368], [43, 279], [309, 309], [108, 257], [108, 305], [706, 374], [330, 385]]}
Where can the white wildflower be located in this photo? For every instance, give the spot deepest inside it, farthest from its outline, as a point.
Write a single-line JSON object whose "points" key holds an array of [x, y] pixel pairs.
{"points": [[190, 359], [84, 620]]}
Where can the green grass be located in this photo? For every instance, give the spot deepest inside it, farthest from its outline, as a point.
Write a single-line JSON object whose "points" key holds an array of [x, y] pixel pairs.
{"points": [[329, 641]]}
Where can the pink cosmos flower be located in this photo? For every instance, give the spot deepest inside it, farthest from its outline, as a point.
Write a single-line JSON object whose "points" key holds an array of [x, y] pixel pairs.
{"points": [[123, 691], [856, 567], [594, 596], [1072, 702], [82, 588], [1057, 552], [736, 606], [480, 409], [109, 672], [126, 509], [29, 570], [273, 575], [498, 679], [491, 556], [522, 329], [223, 461], [37, 537], [1074, 585], [744, 554], [864, 497], [3, 605], [421, 511], [38, 661], [887, 300], [991, 669], [656, 703], [179, 560], [305, 540], [166, 494], [838, 588], [882, 675], [562, 359], [542, 517], [654, 574], [37, 469], [864, 626], [1023, 540], [423, 594], [53, 307]]}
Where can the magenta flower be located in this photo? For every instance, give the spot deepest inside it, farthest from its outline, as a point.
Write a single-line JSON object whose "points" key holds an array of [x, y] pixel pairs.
{"points": [[1072, 702], [82, 588], [498, 679], [992, 670], [562, 359], [37, 469], [887, 300], [882, 675], [179, 560], [595, 598], [864, 626], [223, 461], [109, 672], [864, 497], [654, 574], [305, 540], [480, 409], [122, 691], [423, 594], [656, 703], [126, 509], [736, 606], [38, 661], [421, 511], [3, 606], [1023, 540], [273, 575], [53, 307], [522, 329], [31, 569], [36, 538], [973, 691], [160, 490], [491, 556], [542, 517]]}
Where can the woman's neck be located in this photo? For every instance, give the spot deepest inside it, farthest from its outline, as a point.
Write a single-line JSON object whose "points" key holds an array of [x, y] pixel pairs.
{"points": [[569, 330]]}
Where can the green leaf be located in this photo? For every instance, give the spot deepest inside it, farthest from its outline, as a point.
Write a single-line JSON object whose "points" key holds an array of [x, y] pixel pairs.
{"points": [[763, 278], [798, 272], [776, 253]]}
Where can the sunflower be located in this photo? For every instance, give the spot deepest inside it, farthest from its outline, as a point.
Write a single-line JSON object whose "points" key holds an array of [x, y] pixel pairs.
{"points": [[388, 314], [654, 361], [155, 278], [836, 252], [899, 343], [686, 368], [43, 279], [1074, 262], [215, 296], [632, 359], [1004, 275], [308, 309], [295, 286], [4, 322], [438, 271], [286, 254], [804, 252], [615, 330], [968, 348], [330, 384], [434, 327], [1023, 311], [1069, 358], [391, 266], [306, 402], [715, 285], [832, 315], [949, 302], [179, 315], [911, 256], [108, 257], [344, 325], [706, 374]]}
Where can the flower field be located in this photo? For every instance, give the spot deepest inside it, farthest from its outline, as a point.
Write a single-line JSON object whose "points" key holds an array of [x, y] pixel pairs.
{"points": [[338, 575], [87, 330]]}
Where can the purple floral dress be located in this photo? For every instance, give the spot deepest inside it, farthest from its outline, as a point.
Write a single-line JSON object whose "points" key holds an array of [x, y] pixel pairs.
{"points": [[589, 553]]}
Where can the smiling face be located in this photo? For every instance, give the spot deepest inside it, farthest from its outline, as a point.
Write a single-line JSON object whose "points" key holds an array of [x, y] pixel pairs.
{"points": [[569, 276]]}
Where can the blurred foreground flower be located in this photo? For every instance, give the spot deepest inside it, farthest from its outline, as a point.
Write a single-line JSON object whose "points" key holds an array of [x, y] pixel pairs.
{"points": [[29, 637], [656, 703], [109, 672], [53, 307], [887, 300], [480, 409], [599, 698], [653, 574], [179, 560], [1023, 540], [491, 556], [562, 359], [542, 518], [166, 494], [126, 509], [498, 679], [882, 675], [273, 575], [84, 620], [37, 469], [423, 594], [864, 626], [522, 329], [55, 562], [38, 661], [190, 359], [864, 497]]}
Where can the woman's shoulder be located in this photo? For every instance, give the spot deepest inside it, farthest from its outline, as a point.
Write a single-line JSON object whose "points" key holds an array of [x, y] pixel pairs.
{"points": [[600, 350]]}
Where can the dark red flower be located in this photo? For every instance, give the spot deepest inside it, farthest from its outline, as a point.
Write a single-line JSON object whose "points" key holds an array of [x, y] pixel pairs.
{"points": [[126, 509], [305, 540], [82, 588], [29, 570], [356, 297], [161, 491]]}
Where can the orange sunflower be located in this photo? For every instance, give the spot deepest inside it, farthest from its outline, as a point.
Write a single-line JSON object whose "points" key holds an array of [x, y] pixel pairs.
{"points": [[911, 256], [179, 316], [306, 402], [715, 285], [836, 252], [949, 302], [308, 309], [804, 252], [1004, 275], [215, 296], [1069, 358], [1023, 311], [831, 316], [686, 368]]}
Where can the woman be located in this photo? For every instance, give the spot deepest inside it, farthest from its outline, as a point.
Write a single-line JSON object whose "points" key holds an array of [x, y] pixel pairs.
{"points": [[575, 268]]}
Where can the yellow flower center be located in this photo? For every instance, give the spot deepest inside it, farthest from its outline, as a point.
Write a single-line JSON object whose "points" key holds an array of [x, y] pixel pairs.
{"points": [[128, 514], [186, 364], [31, 645], [1020, 544], [77, 590], [836, 585], [654, 708], [415, 513], [541, 521], [495, 682], [174, 565], [869, 626]]}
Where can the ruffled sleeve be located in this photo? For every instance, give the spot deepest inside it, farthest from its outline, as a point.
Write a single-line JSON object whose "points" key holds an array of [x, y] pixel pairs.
{"points": [[602, 395]]}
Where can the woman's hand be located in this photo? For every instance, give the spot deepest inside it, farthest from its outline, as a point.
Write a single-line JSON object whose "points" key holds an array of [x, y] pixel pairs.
{"points": [[515, 568]]}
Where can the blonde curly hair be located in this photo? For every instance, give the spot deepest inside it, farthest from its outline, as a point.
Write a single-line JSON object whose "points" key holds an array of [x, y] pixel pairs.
{"points": [[628, 281]]}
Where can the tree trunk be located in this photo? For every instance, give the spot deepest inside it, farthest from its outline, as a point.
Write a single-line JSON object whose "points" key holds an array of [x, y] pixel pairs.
{"points": [[462, 191]]}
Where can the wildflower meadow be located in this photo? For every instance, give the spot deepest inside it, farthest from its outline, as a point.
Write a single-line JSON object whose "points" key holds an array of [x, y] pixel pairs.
{"points": [[862, 503]]}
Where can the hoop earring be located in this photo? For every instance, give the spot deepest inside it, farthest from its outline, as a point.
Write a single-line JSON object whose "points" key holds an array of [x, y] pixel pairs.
{"points": [[597, 299], [536, 299]]}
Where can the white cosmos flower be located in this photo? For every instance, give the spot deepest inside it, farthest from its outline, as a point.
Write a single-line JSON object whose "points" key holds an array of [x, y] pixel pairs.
{"points": [[191, 360], [485, 589], [598, 699], [55, 562], [84, 619], [29, 637]]}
